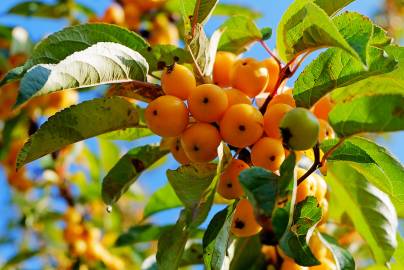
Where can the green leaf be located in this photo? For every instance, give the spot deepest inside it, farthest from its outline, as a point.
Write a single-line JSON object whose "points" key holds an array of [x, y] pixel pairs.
{"points": [[266, 33], [141, 233], [102, 63], [109, 154], [127, 171], [205, 9], [379, 113], [40, 9], [5, 32], [60, 45], [261, 188], [217, 238], [342, 257], [193, 254], [77, 123], [161, 200], [127, 134], [189, 8], [20, 257], [238, 33], [370, 210], [13, 75], [380, 167], [336, 68], [305, 27], [332, 6], [294, 243], [160, 56], [224, 9], [171, 244], [247, 254]]}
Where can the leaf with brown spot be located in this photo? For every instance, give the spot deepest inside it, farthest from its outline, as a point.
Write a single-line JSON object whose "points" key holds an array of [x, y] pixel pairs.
{"points": [[127, 170]]}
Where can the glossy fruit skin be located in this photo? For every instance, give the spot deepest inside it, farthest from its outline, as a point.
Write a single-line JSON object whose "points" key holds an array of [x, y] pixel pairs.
{"points": [[323, 107], [207, 103], [244, 223], [307, 188], [325, 132], [268, 153], [321, 187], [273, 117], [299, 129], [224, 62], [178, 81], [235, 96], [241, 125], [200, 142], [273, 71], [317, 247], [269, 253], [249, 76], [178, 152], [283, 98], [114, 14], [229, 186], [167, 116], [289, 264], [324, 208]]}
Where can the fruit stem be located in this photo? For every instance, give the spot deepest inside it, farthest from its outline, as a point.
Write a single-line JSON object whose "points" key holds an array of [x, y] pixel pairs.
{"points": [[271, 53], [329, 152], [314, 167]]}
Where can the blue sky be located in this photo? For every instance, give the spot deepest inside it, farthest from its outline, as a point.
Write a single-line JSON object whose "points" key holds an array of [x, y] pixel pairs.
{"points": [[272, 10]]}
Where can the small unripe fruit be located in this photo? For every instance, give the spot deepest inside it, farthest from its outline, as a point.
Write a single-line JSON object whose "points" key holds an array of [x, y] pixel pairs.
{"points": [[273, 117], [299, 128], [326, 132], [178, 81], [241, 125], [250, 76], [244, 223], [207, 102], [268, 153], [229, 186], [200, 142], [178, 152], [273, 70], [224, 62], [167, 116], [235, 96]]}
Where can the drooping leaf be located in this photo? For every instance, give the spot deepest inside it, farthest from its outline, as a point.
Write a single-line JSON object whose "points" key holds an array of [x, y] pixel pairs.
{"points": [[238, 33], [294, 243], [333, 6], [261, 188], [79, 122], [60, 45], [204, 10], [171, 244], [20, 257], [217, 238], [378, 113], [376, 164], [370, 210], [141, 233], [199, 47], [160, 56], [342, 257], [224, 9], [102, 63], [12, 75], [247, 254], [305, 26], [127, 170], [336, 68], [163, 199]]}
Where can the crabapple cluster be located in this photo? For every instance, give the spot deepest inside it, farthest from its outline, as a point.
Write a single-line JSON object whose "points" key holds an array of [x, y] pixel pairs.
{"points": [[86, 242], [198, 117]]}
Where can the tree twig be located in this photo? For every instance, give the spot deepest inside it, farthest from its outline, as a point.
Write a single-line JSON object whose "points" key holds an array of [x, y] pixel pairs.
{"points": [[329, 152], [314, 166], [271, 53]]}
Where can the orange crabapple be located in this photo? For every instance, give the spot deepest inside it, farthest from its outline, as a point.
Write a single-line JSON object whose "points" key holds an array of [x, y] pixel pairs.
{"points": [[268, 153], [244, 223], [229, 186], [178, 81]]}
